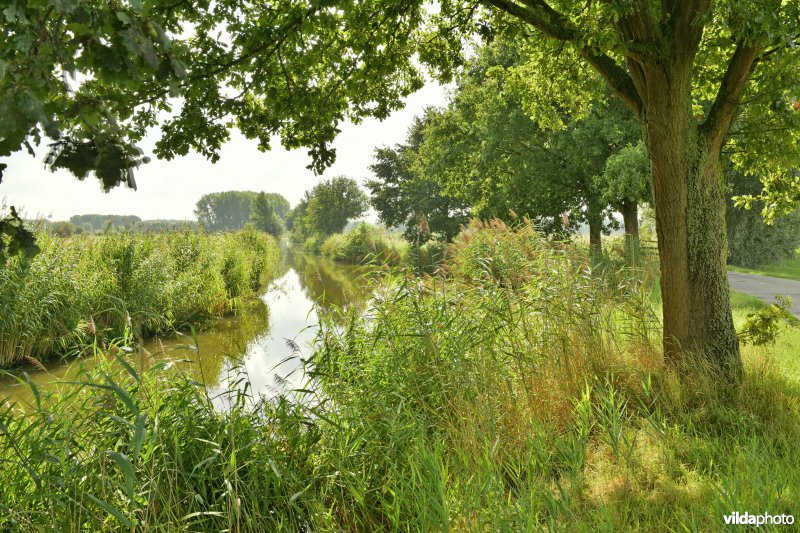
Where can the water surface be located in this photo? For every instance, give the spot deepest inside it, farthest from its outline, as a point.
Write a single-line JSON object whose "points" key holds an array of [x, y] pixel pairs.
{"points": [[263, 345]]}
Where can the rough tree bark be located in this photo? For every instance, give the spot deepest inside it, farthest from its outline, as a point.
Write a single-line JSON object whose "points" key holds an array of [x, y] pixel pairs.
{"points": [[690, 224], [688, 193]]}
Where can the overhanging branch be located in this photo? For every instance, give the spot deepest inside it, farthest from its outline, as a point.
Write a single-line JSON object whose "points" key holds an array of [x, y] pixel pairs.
{"points": [[723, 110], [553, 24]]}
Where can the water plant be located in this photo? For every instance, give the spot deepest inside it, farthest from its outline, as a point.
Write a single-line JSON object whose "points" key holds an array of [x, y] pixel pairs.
{"points": [[94, 285]]}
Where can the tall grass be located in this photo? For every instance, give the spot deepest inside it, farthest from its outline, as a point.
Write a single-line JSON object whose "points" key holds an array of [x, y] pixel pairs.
{"points": [[521, 391], [363, 244], [85, 286]]}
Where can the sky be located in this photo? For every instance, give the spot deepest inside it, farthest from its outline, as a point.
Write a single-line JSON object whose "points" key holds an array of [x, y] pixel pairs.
{"points": [[170, 189]]}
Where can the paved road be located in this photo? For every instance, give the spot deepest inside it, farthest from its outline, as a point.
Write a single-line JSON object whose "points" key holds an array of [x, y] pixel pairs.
{"points": [[766, 287]]}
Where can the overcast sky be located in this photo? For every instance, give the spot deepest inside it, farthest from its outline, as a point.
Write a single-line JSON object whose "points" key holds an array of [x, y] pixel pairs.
{"points": [[170, 189]]}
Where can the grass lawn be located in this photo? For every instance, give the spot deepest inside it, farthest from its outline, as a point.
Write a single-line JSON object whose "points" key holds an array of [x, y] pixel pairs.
{"points": [[784, 355], [788, 268]]}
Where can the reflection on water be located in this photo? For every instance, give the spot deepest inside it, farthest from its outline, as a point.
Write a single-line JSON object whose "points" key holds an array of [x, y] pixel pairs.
{"points": [[263, 343]]}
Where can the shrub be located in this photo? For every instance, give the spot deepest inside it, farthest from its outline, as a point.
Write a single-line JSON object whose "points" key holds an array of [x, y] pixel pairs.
{"points": [[493, 251], [365, 243], [429, 255]]}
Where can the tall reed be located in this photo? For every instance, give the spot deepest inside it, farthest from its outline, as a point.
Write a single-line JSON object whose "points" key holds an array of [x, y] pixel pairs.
{"points": [[84, 286]]}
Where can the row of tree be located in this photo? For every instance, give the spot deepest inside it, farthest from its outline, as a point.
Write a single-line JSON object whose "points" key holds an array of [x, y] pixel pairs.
{"points": [[80, 224], [230, 210], [483, 155]]}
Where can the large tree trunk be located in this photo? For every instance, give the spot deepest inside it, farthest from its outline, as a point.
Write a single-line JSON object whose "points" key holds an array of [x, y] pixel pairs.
{"points": [[690, 223], [630, 217]]}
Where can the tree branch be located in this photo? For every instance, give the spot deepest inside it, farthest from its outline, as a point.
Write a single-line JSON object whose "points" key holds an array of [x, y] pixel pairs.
{"points": [[553, 24], [722, 111]]}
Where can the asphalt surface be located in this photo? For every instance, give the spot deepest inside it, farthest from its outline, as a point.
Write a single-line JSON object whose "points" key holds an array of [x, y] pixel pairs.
{"points": [[766, 287]]}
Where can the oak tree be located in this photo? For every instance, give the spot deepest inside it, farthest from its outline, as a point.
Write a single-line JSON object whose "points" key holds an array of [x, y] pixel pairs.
{"points": [[90, 77]]}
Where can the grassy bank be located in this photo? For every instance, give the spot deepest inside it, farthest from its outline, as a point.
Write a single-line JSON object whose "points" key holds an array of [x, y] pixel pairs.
{"points": [[88, 287], [372, 244], [365, 243], [787, 268], [519, 392]]}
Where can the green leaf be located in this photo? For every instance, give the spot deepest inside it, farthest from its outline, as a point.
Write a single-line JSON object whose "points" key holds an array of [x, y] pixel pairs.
{"points": [[139, 434], [113, 511], [128, 471]]}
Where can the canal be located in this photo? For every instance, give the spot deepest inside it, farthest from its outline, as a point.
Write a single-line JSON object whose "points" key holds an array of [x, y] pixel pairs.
{"points": [[262, 346]]}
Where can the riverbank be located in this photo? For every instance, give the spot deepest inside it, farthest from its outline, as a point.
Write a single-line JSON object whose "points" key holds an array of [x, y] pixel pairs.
{"points": [[369, 244], [83, 290], [520, 393], [250, 343]]}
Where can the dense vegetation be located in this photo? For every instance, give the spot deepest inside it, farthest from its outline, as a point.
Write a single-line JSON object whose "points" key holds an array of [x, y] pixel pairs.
{"points": [[365, 243], [521, 391], [98, 223], [88, 287], [524, 385], [106, 223], [751, 242], [484, 155], [326, 209], [231, 210]]}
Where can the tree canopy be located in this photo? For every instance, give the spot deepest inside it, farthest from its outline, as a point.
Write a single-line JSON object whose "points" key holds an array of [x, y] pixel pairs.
{"points": [[328, 207], [264, 216], [484, 150], [230, 210], [404, 196]]}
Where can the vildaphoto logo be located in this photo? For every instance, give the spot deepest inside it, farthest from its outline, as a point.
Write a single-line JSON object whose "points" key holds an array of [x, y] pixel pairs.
{"points": [[758, 520]]}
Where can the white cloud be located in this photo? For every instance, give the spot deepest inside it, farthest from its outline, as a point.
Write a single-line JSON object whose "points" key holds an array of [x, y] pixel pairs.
{"points": [[170, 189]]}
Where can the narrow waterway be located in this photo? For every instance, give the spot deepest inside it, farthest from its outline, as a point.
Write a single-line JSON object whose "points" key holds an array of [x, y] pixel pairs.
{"points": [[263, 345]]}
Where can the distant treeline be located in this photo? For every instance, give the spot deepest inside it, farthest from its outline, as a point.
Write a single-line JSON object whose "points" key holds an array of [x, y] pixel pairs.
{"points": [[94, 223], [231, 210], [216, 212]]}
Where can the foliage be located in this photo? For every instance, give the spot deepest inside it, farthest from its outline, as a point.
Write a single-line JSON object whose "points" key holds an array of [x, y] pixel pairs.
{"points": [[299, 69], [264, 216], [788, 268], [487, 151], [160, 225], [62, 228], [491, 251], [98, 223], [363, 244], [327, 209], [403, 197], [427, 257], [231, 210], [752, 243], [626, 177], [452, 403], [763, 326], [55, 302], [333, 204], [15, 236]]}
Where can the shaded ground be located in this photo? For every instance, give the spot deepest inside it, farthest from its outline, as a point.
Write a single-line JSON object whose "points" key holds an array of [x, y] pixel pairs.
{"points": [[766, 287]]}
